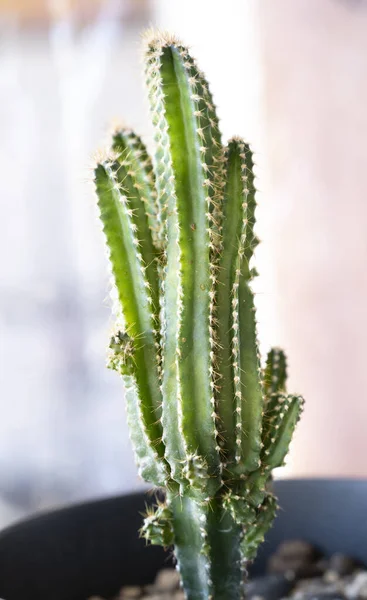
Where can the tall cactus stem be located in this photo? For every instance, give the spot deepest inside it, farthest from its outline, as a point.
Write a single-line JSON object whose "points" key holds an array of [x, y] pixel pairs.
{"points": [[207, 422], [181, 117]]}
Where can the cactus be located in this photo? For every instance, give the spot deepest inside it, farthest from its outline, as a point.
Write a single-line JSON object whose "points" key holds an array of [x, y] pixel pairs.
{"points": [[207, 422]]}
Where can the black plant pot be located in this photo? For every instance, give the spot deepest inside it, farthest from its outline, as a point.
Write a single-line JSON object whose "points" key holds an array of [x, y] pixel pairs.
{"points": [[94, 548]]}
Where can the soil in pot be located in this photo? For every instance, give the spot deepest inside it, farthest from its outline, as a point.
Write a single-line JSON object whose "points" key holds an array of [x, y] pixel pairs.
{"points": [[296, 570]]}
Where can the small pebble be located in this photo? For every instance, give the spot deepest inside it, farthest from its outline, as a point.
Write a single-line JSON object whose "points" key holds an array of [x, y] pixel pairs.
{"points": [[298, 548], [324, 596], [309, 589], [269, 587], [293, 567], [331, 576], [159, 596], [130, 592], [148, 589], [357, 588], [342, 564], [167, 580], [295, 559]]}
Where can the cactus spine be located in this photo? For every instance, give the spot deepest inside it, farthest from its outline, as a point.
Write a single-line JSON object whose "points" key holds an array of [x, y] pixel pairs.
{"points": [[207, 423]]}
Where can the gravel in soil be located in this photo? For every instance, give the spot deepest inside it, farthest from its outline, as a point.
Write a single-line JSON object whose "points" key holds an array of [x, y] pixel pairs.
{"points": [[296, 570]]}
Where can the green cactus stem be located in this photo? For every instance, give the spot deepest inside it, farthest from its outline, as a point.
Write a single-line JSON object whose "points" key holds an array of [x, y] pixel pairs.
{"points": [[207, 422]]}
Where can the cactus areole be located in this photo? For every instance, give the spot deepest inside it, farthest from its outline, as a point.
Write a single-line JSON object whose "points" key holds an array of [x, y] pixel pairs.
{"points": [[208, 423]]}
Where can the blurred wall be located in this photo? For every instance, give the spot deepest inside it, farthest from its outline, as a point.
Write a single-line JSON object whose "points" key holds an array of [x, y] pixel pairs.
{"points": [[314, 143], [40, 12], [63, 434], [223, 38]]}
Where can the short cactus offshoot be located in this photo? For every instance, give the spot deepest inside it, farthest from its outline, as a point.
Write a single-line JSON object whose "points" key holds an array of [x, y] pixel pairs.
{"points": [[208, 424]]}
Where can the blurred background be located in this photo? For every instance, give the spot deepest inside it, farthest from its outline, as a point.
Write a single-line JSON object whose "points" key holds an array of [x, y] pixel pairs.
{"points": [[290, 76]]}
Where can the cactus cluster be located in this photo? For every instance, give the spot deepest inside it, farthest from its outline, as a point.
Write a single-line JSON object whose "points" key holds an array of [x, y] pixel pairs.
{"points": [[208, 423]]}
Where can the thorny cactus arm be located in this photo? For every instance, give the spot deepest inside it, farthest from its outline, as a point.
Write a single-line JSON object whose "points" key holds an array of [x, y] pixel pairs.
{"points": [[240, 398], [138, 169], [180, 115], [206, 421], [275, 372], [255, 534], [129, 272]]}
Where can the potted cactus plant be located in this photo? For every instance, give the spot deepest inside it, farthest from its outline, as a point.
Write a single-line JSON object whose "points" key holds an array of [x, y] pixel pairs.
{"points": [[207, 422]]}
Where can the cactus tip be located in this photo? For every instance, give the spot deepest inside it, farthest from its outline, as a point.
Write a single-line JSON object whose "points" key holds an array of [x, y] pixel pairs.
{"points": [[154, 39]]}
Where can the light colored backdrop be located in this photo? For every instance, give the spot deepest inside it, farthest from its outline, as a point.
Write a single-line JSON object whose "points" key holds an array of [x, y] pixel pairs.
{"points": [[63, 435], [315, 130], [290, 78]]}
